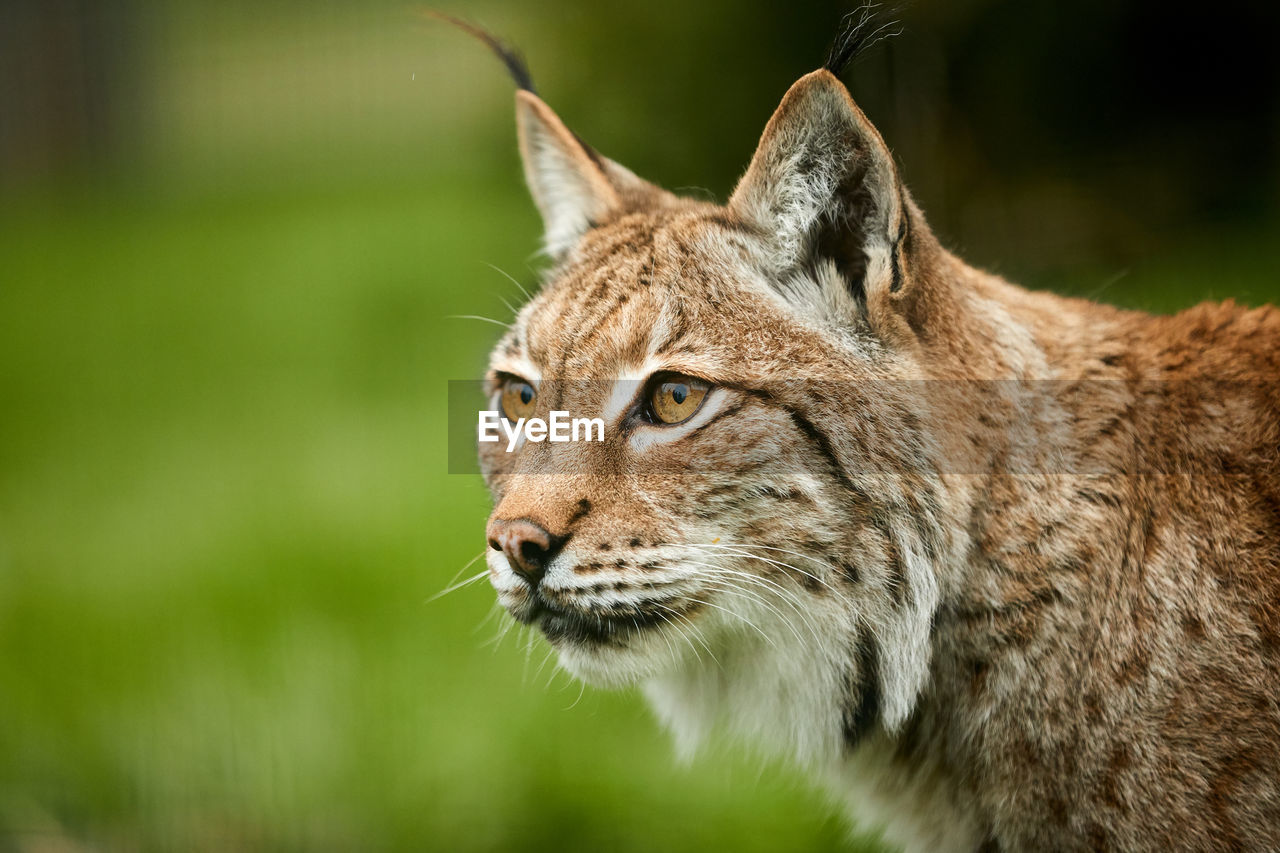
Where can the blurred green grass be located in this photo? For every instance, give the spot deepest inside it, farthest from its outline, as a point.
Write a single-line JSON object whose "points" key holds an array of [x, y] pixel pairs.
{"points": [[223, 508]]}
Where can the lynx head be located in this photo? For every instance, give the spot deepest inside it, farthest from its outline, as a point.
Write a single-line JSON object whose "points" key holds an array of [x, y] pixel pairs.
{"points": [[762, 514]]}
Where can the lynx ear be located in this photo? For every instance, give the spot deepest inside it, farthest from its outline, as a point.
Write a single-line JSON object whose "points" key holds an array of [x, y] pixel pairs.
{"points": [[824, 185], [573, 186]]}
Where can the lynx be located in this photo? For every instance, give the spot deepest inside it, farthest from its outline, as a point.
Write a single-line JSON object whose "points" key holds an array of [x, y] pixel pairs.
{"points": [[1000, 568]]}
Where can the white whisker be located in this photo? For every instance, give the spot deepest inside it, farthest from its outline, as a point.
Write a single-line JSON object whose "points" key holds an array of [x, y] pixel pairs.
{"points": [[808, 557], [478, 317], [581, 692], [785, 594], [495, 609], [739, 616], [528, 655], [749, 555], [457, 586], [757, 599], [511, 278], [697, 633], [504, 628], [468, 564], [550, 653]]}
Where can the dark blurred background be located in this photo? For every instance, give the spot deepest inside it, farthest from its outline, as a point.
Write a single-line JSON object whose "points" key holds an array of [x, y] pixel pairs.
{"points": [[233, 239]]}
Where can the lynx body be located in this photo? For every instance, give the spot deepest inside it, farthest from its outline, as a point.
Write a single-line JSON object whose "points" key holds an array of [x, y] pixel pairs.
{"points": [[1003, 568]]}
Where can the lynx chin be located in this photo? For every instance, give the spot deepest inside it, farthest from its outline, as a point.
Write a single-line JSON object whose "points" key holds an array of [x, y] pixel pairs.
{"points": [[1001, 568]]}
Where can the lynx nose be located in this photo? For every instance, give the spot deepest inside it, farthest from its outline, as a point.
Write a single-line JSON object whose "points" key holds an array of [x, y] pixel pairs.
{"points": [[528, 546]]}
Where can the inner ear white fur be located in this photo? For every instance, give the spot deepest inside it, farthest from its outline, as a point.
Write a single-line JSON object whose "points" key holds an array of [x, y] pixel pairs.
{"points": [[821, 165], [568, 182]]}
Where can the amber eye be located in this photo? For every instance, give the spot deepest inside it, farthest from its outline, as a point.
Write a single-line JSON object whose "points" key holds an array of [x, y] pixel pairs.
{"points": [[518, 399], [676, 398]]}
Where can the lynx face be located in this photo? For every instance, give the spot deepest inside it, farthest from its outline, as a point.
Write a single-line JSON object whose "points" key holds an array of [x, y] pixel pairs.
{"points": [[764, 490], [632, 553]]}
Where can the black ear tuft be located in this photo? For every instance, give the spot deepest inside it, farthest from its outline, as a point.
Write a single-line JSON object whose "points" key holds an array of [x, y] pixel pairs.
{"points": [[859, 30], [509, 55]]}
